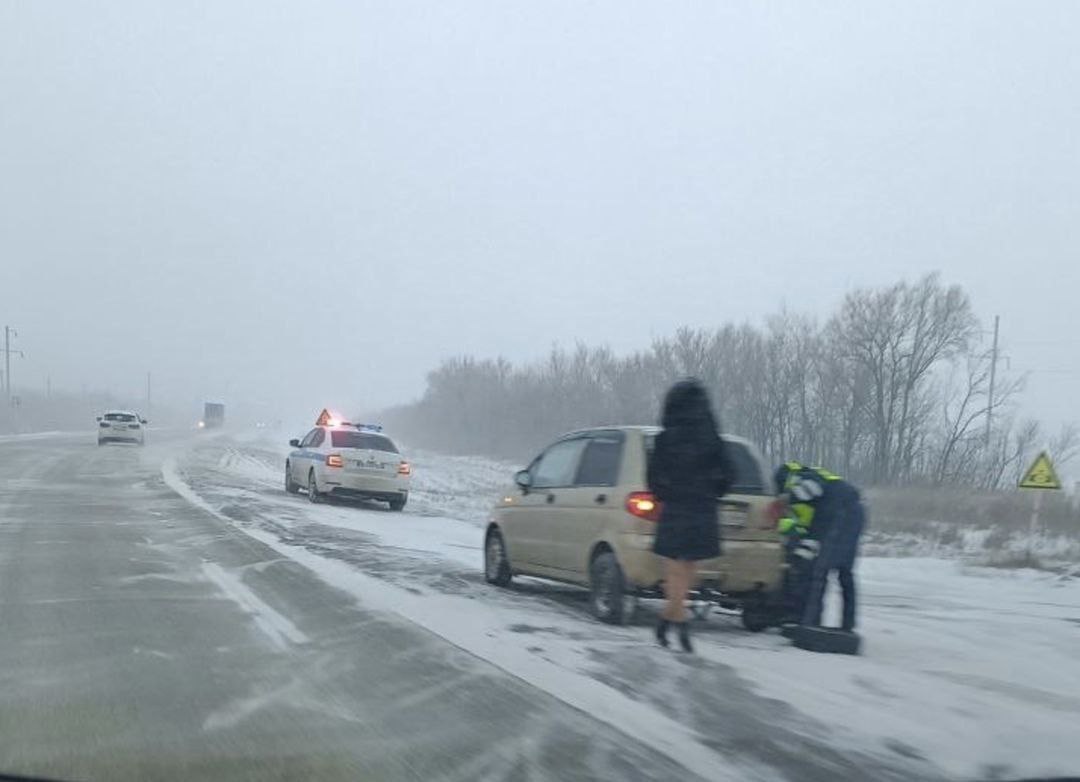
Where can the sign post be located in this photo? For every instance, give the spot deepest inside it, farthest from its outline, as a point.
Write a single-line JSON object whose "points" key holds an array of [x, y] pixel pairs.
{"points": [[1040, 475]]}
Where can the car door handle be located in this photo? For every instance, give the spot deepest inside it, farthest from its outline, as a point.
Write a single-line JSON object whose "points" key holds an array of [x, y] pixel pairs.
{"points": [[601, 499], [550, 498]]}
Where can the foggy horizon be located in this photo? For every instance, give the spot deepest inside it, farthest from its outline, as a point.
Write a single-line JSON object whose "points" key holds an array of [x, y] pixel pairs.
{"points": [[316, 205]]}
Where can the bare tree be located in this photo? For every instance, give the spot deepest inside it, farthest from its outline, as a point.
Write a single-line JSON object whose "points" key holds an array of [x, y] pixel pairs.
{"points": [[892, 389], [964, 406], [1065, 445], [897, 336]]}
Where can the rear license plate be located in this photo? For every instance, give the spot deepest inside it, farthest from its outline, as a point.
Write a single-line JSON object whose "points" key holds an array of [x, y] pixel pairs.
{"points": [[732, 517], [373, 465]]}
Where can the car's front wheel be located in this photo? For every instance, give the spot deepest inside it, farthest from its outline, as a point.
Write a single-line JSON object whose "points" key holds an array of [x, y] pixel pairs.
{"points": [[313, 489], [496, 563], [291, 486], [398, 503], [610, 599]]}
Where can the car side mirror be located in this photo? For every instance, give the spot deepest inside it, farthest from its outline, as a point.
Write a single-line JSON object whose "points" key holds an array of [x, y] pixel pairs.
{"points": [[294, 443], [524, 480], [143, 421], [99, 419]]}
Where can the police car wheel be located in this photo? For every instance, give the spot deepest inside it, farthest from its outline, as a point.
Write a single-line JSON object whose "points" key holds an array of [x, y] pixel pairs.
{"points": [[313, 489], [291, 486], [496, 563], [398, 503], [609, 600]]}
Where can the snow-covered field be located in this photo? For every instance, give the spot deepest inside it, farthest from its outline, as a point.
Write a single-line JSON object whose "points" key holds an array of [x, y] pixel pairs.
{"points": [[967, 673]]}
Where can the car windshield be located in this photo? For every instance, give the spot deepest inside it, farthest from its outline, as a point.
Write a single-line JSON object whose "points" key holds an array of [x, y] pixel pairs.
{"points": [[363, 440], [330, 333]]}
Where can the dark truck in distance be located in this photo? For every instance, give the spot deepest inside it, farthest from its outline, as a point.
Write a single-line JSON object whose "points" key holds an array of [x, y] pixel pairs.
{"points": [[213, 416]]}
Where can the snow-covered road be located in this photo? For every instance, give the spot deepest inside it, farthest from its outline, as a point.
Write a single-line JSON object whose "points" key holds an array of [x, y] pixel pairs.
{"points": [[968, 673]]}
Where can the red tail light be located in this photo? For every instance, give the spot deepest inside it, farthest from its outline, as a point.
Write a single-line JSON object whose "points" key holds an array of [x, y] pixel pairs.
{"points": [[644, 505], [774, 511], [334, 460], [404, 469]]}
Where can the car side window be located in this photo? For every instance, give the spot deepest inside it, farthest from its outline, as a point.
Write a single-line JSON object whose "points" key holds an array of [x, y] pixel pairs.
{"points": [[557, 466], [306, 442], [748, 478], [317, 439], [600, 461]]}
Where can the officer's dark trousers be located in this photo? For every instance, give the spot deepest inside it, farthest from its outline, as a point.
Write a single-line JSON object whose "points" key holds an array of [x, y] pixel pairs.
{"points": [[837, 554], [815, 600]]}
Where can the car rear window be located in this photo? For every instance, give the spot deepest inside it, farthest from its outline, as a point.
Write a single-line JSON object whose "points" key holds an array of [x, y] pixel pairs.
{"points": [[363, 440], [124, 417], [748, 477]]}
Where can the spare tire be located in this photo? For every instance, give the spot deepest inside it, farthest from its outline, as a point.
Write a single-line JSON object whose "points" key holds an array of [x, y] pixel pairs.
{"points": [[826, 639]]}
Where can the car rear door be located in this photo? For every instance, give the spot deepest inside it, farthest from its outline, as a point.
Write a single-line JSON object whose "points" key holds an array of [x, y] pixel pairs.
{"points": [[583, 509], [743, 510], [752, 552], [375, 458]]}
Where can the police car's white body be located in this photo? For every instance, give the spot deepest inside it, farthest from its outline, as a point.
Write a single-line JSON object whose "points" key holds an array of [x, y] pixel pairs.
{"points": [[121, 426], [348, 461]]}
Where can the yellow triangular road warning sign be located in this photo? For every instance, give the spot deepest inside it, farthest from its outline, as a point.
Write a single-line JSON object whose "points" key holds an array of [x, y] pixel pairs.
{"points": [[1040, 475], [324, 418]]}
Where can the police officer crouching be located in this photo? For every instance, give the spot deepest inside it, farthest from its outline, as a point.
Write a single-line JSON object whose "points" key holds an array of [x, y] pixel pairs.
{"points": [[824, 530]]}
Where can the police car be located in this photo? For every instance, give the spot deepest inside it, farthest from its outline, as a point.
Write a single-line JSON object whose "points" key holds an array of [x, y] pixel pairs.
{"points": [[350, 461], [121, 426]]}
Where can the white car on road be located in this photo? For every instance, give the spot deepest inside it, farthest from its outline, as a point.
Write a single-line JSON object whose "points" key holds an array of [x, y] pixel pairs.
{"points": [[121, 426], [350, 461]]}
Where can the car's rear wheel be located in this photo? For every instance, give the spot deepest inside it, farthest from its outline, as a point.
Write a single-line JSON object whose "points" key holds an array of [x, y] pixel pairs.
{"points": [[398, 503], [496, 562], [291, 486], [313, 489], [610, 599], [758, 615]]}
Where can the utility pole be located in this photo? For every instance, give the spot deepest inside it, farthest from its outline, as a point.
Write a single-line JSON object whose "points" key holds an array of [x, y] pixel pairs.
{"points": [[993, 377], [8, 334]]}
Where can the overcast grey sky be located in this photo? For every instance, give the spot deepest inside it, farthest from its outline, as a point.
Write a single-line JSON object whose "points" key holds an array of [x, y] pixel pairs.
{"points": [[317, 201]]}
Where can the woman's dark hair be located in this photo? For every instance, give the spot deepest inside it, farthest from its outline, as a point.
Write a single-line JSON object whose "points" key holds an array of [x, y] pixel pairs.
{"points": [[687, 405]]}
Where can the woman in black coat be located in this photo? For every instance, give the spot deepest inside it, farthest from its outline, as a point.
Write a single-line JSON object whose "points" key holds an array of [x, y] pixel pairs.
{"points": [[688, 472]]}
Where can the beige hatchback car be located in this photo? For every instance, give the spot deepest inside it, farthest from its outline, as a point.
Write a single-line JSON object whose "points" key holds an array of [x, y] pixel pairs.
{"points": [[582, 514]]}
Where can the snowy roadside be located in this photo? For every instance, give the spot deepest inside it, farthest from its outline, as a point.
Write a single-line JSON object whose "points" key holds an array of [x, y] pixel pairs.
{"points": [[968, 672]]}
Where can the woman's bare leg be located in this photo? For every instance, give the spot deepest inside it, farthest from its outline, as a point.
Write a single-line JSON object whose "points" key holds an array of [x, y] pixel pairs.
{"points": [[669, 586], [675, 588]]}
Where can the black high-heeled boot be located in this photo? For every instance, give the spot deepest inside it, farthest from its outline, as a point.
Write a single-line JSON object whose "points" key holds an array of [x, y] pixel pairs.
{"points": [[684, 637], [661, 632]]}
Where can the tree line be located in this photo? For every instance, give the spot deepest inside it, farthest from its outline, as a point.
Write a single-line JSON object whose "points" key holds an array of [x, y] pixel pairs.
{"points": [[894, 388]]}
